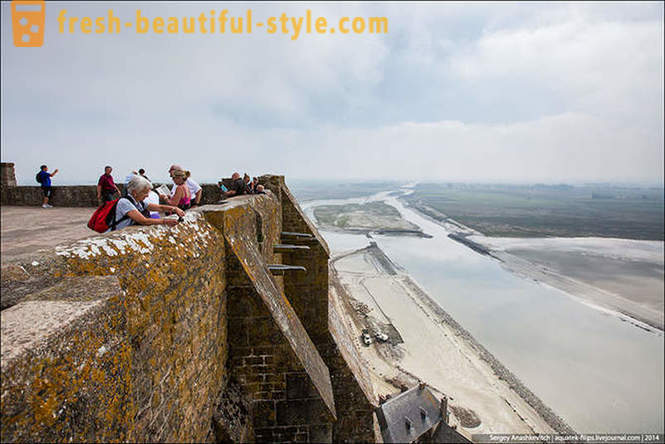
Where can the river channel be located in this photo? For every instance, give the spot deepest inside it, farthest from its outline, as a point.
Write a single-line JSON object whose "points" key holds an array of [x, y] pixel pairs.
{"points": [[598, 372]]}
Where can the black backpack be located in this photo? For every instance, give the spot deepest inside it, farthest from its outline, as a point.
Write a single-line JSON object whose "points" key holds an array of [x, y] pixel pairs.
{"points": [[38, 177]]}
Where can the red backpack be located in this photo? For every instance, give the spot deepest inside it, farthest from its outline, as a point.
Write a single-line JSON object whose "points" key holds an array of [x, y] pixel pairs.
{"points": [[104, 217]]}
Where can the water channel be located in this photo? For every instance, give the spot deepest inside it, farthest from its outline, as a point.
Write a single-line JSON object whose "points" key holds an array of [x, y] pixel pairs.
{"points": [[594, 369]]}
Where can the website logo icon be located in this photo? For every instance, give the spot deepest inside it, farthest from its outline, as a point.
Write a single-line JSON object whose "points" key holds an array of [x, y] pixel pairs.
{"points": [[28, 18]]}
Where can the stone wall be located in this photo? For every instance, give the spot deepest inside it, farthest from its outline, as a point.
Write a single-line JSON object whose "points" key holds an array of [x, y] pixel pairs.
{"points": [[145, 363], [271, 350], [287, 405], [181, 334], [70, 378], [63, 196], [7, 174], [308, 293], [81, 195]]}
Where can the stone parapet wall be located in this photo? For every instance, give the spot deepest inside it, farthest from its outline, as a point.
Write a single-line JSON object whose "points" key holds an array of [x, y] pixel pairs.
{"points": [[273, 357], [63, 196], [81, 195], [7, 174], [164, 333], [137, 335], [71, 378]]}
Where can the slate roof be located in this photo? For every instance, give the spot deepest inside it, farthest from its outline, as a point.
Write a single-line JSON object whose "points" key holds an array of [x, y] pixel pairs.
{"points": [[448, 435], [409, 415]]}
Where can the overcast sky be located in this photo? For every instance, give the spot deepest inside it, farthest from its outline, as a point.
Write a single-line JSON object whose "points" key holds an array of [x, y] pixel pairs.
{"points": [[480, 92]]}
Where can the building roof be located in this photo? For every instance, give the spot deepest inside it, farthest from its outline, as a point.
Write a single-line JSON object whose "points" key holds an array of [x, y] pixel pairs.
{"points": [[409, 415]]}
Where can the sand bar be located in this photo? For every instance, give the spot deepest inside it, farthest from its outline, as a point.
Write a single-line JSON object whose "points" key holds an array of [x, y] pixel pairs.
{"points": [[433, 348]]}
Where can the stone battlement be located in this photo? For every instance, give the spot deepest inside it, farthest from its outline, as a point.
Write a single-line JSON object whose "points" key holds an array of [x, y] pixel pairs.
{"points": [[181, 334], [80, 195]]}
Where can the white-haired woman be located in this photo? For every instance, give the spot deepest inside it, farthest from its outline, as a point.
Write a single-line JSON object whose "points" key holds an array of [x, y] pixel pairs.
{"points": [[132, 210]]}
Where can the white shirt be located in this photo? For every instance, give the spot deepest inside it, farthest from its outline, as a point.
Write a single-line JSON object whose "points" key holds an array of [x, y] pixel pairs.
{"points": [[193, 187], [154, 199]]}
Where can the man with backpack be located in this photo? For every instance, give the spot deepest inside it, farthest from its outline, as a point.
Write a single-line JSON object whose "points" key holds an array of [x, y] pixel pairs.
{"points": [[44, 178]]}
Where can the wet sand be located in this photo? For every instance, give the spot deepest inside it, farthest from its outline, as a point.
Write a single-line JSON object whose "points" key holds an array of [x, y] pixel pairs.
{"points": [[623, 276], [427, 344], [620, 275]]}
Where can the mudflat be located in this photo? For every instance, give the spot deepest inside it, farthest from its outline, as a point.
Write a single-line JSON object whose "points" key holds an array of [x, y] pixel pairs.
{"points": [[623, 275], [428, 345]]}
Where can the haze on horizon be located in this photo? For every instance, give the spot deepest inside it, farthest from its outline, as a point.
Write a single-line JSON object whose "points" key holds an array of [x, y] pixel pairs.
{"points": [[500, 92]]}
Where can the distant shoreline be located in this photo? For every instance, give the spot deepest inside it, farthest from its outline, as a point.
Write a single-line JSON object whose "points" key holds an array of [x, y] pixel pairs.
{"points": [[533, 212], [628, 310]]}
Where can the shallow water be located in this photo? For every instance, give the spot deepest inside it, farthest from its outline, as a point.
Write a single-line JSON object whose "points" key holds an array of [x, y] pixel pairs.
{"points": [[598, 372]]}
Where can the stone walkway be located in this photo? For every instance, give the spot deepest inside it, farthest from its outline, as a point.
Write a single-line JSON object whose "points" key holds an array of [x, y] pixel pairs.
{"points": [[25, 230]]}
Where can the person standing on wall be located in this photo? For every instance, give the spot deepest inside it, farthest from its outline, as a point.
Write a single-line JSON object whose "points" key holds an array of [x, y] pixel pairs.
{"points": [[44, 178], [106, 188]]}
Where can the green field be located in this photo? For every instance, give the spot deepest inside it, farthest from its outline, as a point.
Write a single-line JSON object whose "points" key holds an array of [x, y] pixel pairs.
{"points": [[338, 215], [368, 216], [320, 189], [544, 211]]}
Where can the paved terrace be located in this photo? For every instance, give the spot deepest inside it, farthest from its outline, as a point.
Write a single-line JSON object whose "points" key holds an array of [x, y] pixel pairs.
{"points": [[26, 230]]}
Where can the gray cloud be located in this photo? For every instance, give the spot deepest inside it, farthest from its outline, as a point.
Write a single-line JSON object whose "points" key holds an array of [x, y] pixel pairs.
{"points": [[511, 92]]}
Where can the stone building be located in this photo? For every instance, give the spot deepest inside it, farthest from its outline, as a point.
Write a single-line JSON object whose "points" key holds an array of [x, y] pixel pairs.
{"points": [[416, 415]]}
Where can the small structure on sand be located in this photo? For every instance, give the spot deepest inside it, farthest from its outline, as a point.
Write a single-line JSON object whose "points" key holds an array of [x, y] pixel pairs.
{"points": [[416, 415]]}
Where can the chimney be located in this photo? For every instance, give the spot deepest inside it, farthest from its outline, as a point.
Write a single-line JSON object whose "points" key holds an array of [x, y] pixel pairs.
{"points": [[444, 409], [7, 175]]}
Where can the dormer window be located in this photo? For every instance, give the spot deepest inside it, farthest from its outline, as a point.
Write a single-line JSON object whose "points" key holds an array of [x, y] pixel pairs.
{"points": [[423, 414], [408, 424]]}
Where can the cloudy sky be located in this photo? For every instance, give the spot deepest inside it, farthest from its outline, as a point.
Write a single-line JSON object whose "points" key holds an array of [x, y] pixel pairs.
{"points": [[480, 92]]}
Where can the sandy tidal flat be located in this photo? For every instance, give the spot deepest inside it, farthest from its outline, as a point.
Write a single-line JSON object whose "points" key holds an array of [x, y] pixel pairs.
{"points": [[434, 350], [621, 275]]}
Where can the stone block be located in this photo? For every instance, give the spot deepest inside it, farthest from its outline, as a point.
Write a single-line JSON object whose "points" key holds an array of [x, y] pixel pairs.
{"points": [[264, 414], [65, 369], [302, 412], [321, 433], [298, 386]]}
